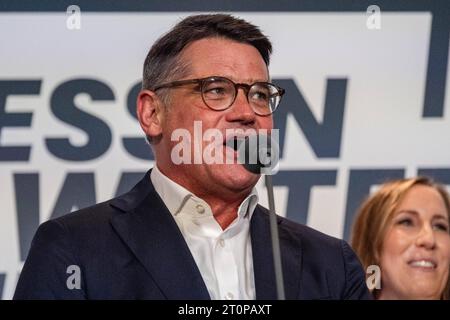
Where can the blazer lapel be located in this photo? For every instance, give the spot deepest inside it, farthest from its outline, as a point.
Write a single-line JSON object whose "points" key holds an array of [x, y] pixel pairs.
{"points": [[150, 231], [264, 271]]}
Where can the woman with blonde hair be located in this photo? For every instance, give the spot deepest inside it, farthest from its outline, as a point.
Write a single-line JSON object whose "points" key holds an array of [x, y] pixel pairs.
{"points": [[404, 229]]}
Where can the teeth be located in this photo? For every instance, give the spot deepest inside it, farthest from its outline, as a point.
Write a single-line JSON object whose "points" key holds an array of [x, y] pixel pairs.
{"points": [[423, 264]]}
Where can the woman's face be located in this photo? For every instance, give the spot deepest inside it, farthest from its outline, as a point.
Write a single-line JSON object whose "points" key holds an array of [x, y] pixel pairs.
{"points": [[415, 255]]}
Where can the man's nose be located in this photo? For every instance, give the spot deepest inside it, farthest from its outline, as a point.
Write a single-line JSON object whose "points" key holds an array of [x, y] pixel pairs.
{"points": [[426, 238], [241, 110]]}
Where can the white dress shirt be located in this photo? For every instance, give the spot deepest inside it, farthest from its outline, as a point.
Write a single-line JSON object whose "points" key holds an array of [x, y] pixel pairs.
{"points": [[224, 257]]}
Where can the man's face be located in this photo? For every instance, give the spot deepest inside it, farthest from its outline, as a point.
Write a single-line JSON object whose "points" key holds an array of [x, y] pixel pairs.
{"points": [[242, 63]]}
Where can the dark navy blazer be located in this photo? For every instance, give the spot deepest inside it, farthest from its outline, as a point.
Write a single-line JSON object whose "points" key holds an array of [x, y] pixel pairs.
{"points": [[131, 248]]}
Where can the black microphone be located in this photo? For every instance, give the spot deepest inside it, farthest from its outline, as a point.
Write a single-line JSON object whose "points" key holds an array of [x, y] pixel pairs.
{"points": [[259, 154]]}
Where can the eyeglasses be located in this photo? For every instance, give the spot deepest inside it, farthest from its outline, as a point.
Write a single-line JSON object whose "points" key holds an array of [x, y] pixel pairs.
{"points": [[219, 93]]}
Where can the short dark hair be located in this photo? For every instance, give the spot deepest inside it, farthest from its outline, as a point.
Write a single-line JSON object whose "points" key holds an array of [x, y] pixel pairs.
{"points": [[162, 63]]}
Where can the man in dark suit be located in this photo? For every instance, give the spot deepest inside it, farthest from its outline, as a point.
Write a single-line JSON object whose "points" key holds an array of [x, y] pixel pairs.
{"points": [[192, 228]]}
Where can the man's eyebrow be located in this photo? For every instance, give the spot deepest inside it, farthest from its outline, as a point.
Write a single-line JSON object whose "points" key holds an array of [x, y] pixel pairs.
{"points": [[248, 80]]}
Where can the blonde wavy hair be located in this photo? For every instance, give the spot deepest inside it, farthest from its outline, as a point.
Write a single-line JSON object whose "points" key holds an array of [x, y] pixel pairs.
{"points": [[376, 213]]}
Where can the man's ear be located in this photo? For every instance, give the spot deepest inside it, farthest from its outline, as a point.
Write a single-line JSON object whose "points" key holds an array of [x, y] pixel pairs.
{"points": [[149, 110]]}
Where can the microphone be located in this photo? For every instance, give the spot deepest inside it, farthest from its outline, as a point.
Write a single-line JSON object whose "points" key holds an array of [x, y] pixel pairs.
{"points": [[259, 154]]}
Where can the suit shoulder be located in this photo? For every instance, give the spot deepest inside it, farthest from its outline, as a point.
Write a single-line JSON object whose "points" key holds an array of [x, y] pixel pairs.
{"points": [[89, 217], [101, 213]]}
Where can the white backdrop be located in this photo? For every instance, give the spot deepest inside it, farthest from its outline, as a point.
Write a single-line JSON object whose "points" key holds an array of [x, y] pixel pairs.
{"points": [[383, 73]]}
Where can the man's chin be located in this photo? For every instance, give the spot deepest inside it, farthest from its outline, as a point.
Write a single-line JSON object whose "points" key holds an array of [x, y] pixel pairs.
{"points": [[235, 176]]}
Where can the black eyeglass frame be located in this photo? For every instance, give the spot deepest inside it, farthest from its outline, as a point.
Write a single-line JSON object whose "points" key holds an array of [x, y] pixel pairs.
{"points": [[246, 87]]}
